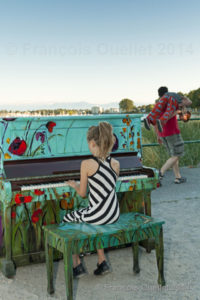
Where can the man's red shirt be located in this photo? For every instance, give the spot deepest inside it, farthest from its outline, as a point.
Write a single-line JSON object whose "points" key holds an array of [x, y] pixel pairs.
{"points": [[170, 128]]}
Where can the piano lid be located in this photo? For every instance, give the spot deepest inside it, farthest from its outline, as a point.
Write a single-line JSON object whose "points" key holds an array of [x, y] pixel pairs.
{"points": [[64, 165], [51, 137]]}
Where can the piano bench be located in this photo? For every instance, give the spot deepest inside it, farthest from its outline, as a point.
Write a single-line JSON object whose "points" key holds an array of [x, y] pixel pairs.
{"points": [[71, 238]]}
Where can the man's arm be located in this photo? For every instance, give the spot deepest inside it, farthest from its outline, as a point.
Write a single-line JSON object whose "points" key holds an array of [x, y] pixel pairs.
{"points": [[157, 133]]}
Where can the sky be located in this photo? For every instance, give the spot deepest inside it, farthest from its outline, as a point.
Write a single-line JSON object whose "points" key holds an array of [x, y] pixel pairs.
{"points": [[97, 51]]}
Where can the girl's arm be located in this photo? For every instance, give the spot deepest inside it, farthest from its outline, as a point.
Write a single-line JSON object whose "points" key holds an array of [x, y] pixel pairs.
{"points": [[115, 165], [81, 188]]}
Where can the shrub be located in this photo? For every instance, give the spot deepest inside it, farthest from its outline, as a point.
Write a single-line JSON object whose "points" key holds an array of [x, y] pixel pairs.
{"points": [[155, 156]]}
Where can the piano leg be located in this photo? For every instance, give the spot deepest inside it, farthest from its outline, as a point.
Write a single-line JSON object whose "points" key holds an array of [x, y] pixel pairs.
{"points": [[135, 201], [8, 268], [49, 265], [7, 265]]}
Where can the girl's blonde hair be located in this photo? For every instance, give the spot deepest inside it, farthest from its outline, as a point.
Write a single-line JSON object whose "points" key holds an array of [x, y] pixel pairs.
{"points": [[103, 136]]}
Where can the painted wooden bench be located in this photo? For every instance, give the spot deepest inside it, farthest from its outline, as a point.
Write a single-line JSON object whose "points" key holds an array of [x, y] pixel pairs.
{"points": [[70, 238]]}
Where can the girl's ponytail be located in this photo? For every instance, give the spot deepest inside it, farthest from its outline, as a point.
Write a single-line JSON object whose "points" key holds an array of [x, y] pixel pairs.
{"points": [[103, 137], [106, 139]]}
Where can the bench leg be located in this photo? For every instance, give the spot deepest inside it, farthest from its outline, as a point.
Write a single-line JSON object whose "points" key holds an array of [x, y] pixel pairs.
{"points": [[135, 249], [49, 266], [160, 258], [67, 256], [148, 244]]}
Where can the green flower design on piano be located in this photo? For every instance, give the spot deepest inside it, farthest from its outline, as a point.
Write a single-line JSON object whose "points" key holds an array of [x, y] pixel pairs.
{"points": [[127, 133], [28, 144]]}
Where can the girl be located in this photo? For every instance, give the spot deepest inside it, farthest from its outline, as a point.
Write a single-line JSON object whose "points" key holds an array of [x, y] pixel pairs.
{"points": [[100, 173]]}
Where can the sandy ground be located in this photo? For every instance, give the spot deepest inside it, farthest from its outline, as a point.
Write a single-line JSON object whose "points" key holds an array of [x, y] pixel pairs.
{"points": [[179, 206]]}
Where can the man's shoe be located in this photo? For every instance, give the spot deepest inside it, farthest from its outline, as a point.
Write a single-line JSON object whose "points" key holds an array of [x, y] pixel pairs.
{"points": [[159, 125], [79, 271], [160, 175], [102, 269], [146, 124], [180, 180]]}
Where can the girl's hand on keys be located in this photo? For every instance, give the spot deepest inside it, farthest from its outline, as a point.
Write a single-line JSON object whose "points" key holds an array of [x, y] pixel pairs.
{"points": [[72, 183]]}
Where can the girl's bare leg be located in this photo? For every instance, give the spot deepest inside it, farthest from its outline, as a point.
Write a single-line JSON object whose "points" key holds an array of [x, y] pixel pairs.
{"points": [[101, 256], [76, 260]]}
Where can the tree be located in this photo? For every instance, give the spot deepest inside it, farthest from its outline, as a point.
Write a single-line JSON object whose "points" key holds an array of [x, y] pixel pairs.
{"points": [[149, 107], [195, 98], [126, 105]]}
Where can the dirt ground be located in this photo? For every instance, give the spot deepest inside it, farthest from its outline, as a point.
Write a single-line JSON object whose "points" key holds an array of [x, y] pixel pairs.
{"points": [[179, 206]]}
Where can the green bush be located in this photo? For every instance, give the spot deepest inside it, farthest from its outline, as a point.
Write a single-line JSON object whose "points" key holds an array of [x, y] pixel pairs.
{"points": [[155, 156]]}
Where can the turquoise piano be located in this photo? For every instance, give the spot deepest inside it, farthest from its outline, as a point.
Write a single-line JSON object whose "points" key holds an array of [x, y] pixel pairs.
{"points": [[38, 155]]}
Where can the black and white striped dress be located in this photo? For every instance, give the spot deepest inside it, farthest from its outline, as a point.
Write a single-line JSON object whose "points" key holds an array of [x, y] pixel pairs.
{"points": [[103, 205]]}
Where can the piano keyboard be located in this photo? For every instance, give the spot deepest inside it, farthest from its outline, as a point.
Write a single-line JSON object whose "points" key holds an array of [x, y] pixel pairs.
{"points": [[62, 184], [123, 178]]}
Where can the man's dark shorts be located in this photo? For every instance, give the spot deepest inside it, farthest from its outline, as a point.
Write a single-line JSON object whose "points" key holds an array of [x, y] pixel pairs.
{"points": [[174, 144]]}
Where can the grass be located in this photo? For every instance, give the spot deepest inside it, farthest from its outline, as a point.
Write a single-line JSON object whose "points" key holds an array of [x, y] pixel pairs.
{"points": [[155, 156]]}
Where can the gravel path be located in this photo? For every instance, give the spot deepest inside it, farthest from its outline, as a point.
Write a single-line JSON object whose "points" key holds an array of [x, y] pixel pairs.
{"points": [[179, 206]]}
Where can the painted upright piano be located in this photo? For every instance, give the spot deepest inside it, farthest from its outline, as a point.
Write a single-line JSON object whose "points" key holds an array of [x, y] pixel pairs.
{"points": [[37, 156]]}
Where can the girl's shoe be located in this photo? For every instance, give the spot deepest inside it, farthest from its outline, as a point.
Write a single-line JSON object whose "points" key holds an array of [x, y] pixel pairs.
{"points": [[180, 180], [79, 271], [102, 269]]}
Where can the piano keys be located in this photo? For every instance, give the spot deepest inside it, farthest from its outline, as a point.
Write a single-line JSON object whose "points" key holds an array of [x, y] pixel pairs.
{"points": [[62, 169], [64, 183], [38, 156]]}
